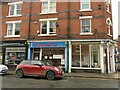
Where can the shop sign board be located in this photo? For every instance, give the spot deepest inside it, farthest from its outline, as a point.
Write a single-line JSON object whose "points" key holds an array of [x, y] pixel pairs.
{"points": [[47, 44]]}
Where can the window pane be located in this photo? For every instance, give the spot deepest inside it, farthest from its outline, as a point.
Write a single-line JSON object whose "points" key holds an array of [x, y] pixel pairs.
{"points": [[75, 55], [44, 7], [85, 56], [18, 11], [85, 4], [95, 63], [10, 29], [85, 26], [52, 6], [52, 27], [12, 7], [17, 29], [44, 27]]}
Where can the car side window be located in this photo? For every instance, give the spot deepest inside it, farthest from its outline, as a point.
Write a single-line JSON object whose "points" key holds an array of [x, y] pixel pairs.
{"points": [[25, 62], [35, 63]]}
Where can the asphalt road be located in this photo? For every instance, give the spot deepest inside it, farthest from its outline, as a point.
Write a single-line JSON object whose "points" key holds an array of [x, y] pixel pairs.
{"points": [[11, 81]]}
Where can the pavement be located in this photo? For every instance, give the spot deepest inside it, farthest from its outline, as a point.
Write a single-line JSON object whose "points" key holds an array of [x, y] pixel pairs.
{"points": [[115, 75]]}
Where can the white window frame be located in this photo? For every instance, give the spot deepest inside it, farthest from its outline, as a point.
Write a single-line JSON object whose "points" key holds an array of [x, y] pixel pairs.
{"points": [[48, 7], [108, 2], [110, 23], [15, 9], [85, 17], [48, 26], [81, 5], [13, 32]]}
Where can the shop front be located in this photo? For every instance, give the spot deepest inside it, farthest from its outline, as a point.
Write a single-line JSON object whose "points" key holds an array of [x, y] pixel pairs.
{"points": [[14, 52], [53, 52], [92, 56]]}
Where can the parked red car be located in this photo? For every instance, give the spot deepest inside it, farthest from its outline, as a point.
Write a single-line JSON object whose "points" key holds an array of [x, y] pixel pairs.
{"points": [[39, 68]]}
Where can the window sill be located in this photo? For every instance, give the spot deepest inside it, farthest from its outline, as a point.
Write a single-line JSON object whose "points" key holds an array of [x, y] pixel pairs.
{"points": [[48, 13], [14, 16], [48, 35], [85, 10], [86, 33], [109, 35], [12, 36]]}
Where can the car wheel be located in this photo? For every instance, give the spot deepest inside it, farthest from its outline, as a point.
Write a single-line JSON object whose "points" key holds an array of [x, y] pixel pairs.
{"points": [[19, 73], [50, 75]]}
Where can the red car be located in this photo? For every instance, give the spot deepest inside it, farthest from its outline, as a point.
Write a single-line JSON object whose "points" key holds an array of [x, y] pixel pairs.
{"points": [[39, 68]]}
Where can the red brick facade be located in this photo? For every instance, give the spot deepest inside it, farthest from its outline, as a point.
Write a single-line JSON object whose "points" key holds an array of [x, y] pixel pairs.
{"points": [[28, 28]]}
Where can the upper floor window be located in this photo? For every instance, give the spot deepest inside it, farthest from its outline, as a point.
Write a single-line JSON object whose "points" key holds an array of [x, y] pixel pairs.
{"points": [[48, 26], [108, 5], [108, 22], [48, 6], [15, 9], [85, 5], [13, 28], [86, 24]]}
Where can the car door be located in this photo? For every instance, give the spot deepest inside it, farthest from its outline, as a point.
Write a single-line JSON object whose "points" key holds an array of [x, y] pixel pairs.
{"points": [[36, 68], [26, 67]]}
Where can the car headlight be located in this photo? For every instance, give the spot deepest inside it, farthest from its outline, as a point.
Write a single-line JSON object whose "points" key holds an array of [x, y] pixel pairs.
{"points": [[5, 68], [56, 69]]}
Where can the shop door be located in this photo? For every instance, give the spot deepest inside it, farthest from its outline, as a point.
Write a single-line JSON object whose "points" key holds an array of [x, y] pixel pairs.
{"points": [[36, 53]]}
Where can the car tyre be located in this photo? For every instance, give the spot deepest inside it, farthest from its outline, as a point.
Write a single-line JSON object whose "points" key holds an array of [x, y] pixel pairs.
{"points": [[50, 75], [19, 73]]}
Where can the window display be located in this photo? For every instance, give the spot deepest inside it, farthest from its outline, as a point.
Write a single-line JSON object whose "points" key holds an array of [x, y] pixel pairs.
{"points": [[14, 55], [86, 55]]}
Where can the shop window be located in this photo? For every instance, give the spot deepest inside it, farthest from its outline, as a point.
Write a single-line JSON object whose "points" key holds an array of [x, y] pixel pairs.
{"points": [[55, 57], [95, 61], [76, 55], [14, 55], [85, 55]]}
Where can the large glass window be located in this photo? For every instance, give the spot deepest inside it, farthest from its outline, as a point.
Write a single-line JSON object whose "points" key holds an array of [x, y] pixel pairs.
{"points": [[15, 8], [76, 55], [85, 4], [95, 63], [86, 55], [14, 55], [48, 6], [85, 25]]}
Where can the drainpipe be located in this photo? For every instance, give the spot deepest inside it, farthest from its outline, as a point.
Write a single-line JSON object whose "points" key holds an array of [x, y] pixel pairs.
{"points": [[29, 50], [68, 29], [29, 19], [68, 37]]}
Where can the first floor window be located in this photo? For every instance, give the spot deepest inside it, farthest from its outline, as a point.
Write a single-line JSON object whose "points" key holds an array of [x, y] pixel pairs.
{"points": [[48, 27], [85, 26], [13, 28]]}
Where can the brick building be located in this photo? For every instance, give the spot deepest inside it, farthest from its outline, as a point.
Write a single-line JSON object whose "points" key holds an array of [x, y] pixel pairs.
{"points": [[76, 35]]}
